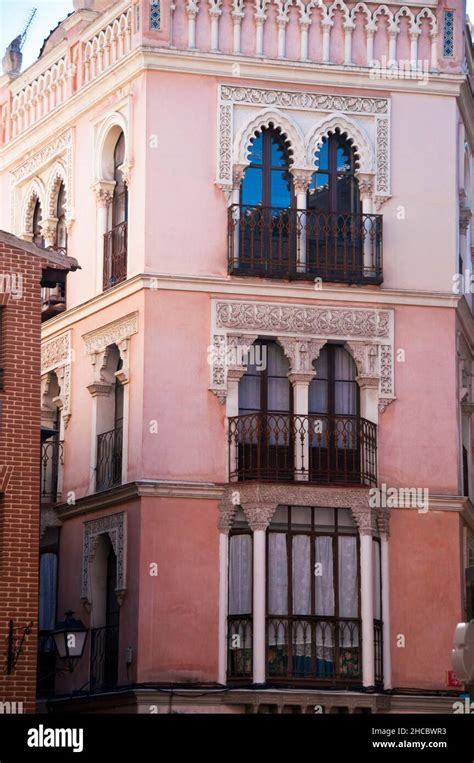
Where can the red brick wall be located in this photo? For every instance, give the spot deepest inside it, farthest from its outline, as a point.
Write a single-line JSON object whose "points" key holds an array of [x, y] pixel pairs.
{"points": [[20, 448]]}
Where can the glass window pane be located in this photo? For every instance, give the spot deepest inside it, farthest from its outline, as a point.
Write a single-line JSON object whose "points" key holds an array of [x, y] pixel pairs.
{"points": [[249, 393], [301, 575], [344, 366], [324, 577], [256, 150], [318, 396], [322, 156], [318, 192], [321, 364], [345, 398], [280, 517], [252, 186], [278, 395], [348, 577], [278, 152], [280, 191], [300, 518], [277, 574], [277, 362], [345, 519], [343, 156], [324, 519], [240, 574]]}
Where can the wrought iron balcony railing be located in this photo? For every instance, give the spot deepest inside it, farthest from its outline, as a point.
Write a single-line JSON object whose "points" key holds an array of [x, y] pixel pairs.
{"points": [[52, 458], [304, 244], [310, 648], [109, 459], [315, 448], [104, 657], [115, 255]]}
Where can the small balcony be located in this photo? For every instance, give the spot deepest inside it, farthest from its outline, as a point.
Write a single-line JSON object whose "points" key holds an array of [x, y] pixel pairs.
{"points": [[318, 448], [53, 296], [308, 649], [109, 459], [104, 658], [304, 244], [52, 459], [115, 255]]}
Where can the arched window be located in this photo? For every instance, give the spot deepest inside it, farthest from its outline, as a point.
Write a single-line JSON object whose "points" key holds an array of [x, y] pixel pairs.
{"points": [[263, 427], [61, 230], [109, 441], [267, 180], [267, 221], [115, 239], [334, 418], [119, 201], [334, 187], [37, 217]]}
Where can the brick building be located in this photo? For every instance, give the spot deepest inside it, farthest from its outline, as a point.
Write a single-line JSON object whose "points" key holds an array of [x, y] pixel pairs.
{"points": [[24, 267]]}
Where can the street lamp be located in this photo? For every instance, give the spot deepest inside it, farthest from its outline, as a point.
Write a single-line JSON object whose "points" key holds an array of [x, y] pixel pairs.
{"points": [[70, 638]]}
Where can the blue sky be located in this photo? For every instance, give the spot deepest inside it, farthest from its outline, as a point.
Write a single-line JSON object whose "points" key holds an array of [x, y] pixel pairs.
{"points": [[14, 13], [13, 17]]}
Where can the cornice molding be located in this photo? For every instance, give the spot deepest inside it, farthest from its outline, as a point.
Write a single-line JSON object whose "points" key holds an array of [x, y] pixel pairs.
{"points": [[256, 288], [111, 333]]}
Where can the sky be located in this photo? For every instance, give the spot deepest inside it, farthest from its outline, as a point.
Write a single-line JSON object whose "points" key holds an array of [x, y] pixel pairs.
{"points": [[14, 14]]}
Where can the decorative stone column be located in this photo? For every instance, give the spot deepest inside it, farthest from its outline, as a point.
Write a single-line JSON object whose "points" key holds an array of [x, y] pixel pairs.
{"points": [[282, 21], [304, 29], [366, 357], [260, 17], [414, 36], [301, 354], [104, 191], [259, 516], [123, 376], [366, 190], [215, 12], [301, 180], [392, 45], [99, 388], [237, 177], [226, 517], [192, 9], [349, 27], [237, 17], [434, 50], [326, 25], [48, 230], [371, 28], [383, 524], [367, 530]]}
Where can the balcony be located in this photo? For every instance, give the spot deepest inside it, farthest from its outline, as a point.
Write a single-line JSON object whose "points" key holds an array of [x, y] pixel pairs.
{"points": [[104, 658], [52, 459], [109, 459], [304, 244], [318, 448], [311, 649], [53, 296], [115, 255]]}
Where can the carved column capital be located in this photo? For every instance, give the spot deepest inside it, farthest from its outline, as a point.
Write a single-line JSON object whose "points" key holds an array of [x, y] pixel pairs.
{"points": [[48, 230], [366, 519], [383, 522], [104, 191], [259, 514], [301, 353], [123, 374], [366, 185], [301, 178], [366, 357]]}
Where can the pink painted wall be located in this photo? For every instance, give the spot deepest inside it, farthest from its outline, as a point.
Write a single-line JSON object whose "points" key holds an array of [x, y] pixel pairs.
{"points": [[178, 609], [425, 595], [418, 433]]}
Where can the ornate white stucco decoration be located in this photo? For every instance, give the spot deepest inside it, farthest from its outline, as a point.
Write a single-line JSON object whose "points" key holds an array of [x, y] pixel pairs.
{"points": [[243, 110], [115, 526], [59, 152], [56, 355], [98, 341], [302, 330]]}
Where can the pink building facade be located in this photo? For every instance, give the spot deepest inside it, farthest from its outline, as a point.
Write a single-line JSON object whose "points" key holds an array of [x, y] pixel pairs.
{"points": [[256, 392]]}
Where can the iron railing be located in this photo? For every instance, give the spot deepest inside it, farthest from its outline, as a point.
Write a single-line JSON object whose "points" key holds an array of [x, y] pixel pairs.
{"points": [[313, 647], [239, 643], [52, 458], [104, 657], [109, 459], [306, 244], [315, 448], [115, 255]]}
